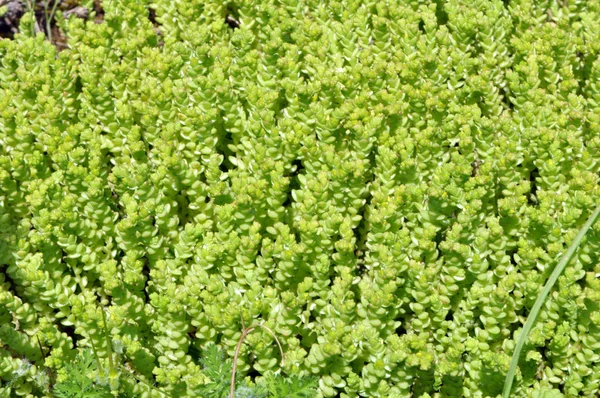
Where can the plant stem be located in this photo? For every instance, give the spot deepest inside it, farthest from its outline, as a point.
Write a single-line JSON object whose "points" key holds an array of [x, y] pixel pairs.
{"points": [[49, 19], [112, 374], [245, 332], [540, 301], [97, 356], [46, 16]]}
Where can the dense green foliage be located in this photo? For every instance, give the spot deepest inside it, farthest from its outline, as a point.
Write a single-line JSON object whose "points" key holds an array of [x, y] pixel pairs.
{"points": [[541, 300], [387, 185]]}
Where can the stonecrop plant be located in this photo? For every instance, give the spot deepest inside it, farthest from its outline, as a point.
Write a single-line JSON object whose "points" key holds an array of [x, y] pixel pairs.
{"points": [[387, 186]]}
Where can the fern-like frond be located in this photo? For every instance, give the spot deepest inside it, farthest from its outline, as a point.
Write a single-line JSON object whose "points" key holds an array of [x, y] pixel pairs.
{"points": [[80, 381], [290, 387]]}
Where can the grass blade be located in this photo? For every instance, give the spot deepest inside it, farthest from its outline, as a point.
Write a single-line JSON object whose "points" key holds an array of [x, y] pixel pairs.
{"points": [[540, 301]]}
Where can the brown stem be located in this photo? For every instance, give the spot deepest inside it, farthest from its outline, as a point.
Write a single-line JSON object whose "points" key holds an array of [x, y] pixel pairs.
{"points": [[245, 332]]}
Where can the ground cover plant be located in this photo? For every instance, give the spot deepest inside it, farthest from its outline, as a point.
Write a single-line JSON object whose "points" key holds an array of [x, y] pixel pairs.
{"points": [[379, 189]]}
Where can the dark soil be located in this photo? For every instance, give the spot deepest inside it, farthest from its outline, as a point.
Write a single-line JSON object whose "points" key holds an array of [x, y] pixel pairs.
{"points": [[9, 22]]}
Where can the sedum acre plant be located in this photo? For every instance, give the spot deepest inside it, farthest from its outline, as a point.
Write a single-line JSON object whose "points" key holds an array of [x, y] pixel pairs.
{"points": [[386, 186]]}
